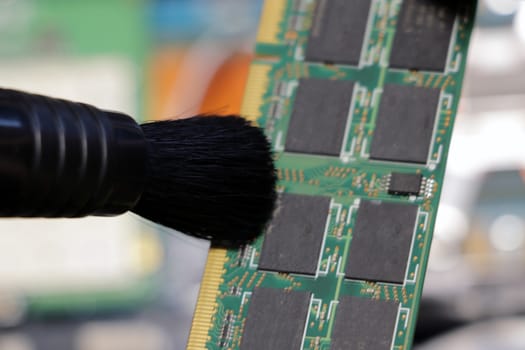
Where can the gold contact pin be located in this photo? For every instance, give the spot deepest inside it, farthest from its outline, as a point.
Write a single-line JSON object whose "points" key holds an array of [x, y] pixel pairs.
{"points": [[258, 80], [207, 301], [272, 15]]}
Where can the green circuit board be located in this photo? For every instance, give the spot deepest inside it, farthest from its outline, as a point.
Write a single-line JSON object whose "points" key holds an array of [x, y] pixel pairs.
{"points": [[344, 260]]}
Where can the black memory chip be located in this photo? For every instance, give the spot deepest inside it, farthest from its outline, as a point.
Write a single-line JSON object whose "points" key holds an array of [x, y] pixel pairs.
{"points": [[276, 320], [319, 116], [338, 31], [423, 34], [404, 184], [381, 241], [364, 324], [405, 124], [293, 242]]}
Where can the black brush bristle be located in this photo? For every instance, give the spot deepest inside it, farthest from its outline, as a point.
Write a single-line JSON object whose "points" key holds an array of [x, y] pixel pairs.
{"points": [[209, 176]]}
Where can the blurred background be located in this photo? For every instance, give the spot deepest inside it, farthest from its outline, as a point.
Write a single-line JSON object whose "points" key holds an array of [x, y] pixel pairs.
{"points": [[126, 284]]}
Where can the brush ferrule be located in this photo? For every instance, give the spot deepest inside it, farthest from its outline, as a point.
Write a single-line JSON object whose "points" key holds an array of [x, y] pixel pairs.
{"points": [[66, 159]]}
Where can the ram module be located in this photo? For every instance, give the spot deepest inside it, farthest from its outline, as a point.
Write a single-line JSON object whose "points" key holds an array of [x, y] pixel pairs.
{"points": [[358, 98]]}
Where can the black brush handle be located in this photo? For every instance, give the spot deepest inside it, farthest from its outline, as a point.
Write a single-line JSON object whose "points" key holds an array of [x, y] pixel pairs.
{"points": [[67, 159]]}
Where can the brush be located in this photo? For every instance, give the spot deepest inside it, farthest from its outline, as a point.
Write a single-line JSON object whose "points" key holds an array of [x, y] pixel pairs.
{"points": [[207, 176]]}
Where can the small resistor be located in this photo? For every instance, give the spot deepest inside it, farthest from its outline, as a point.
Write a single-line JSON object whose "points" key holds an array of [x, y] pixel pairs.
{"points": [[428, 187]]}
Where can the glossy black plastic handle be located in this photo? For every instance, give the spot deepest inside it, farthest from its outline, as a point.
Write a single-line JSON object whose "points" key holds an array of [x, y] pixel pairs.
{"points": [[67, 159]]}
